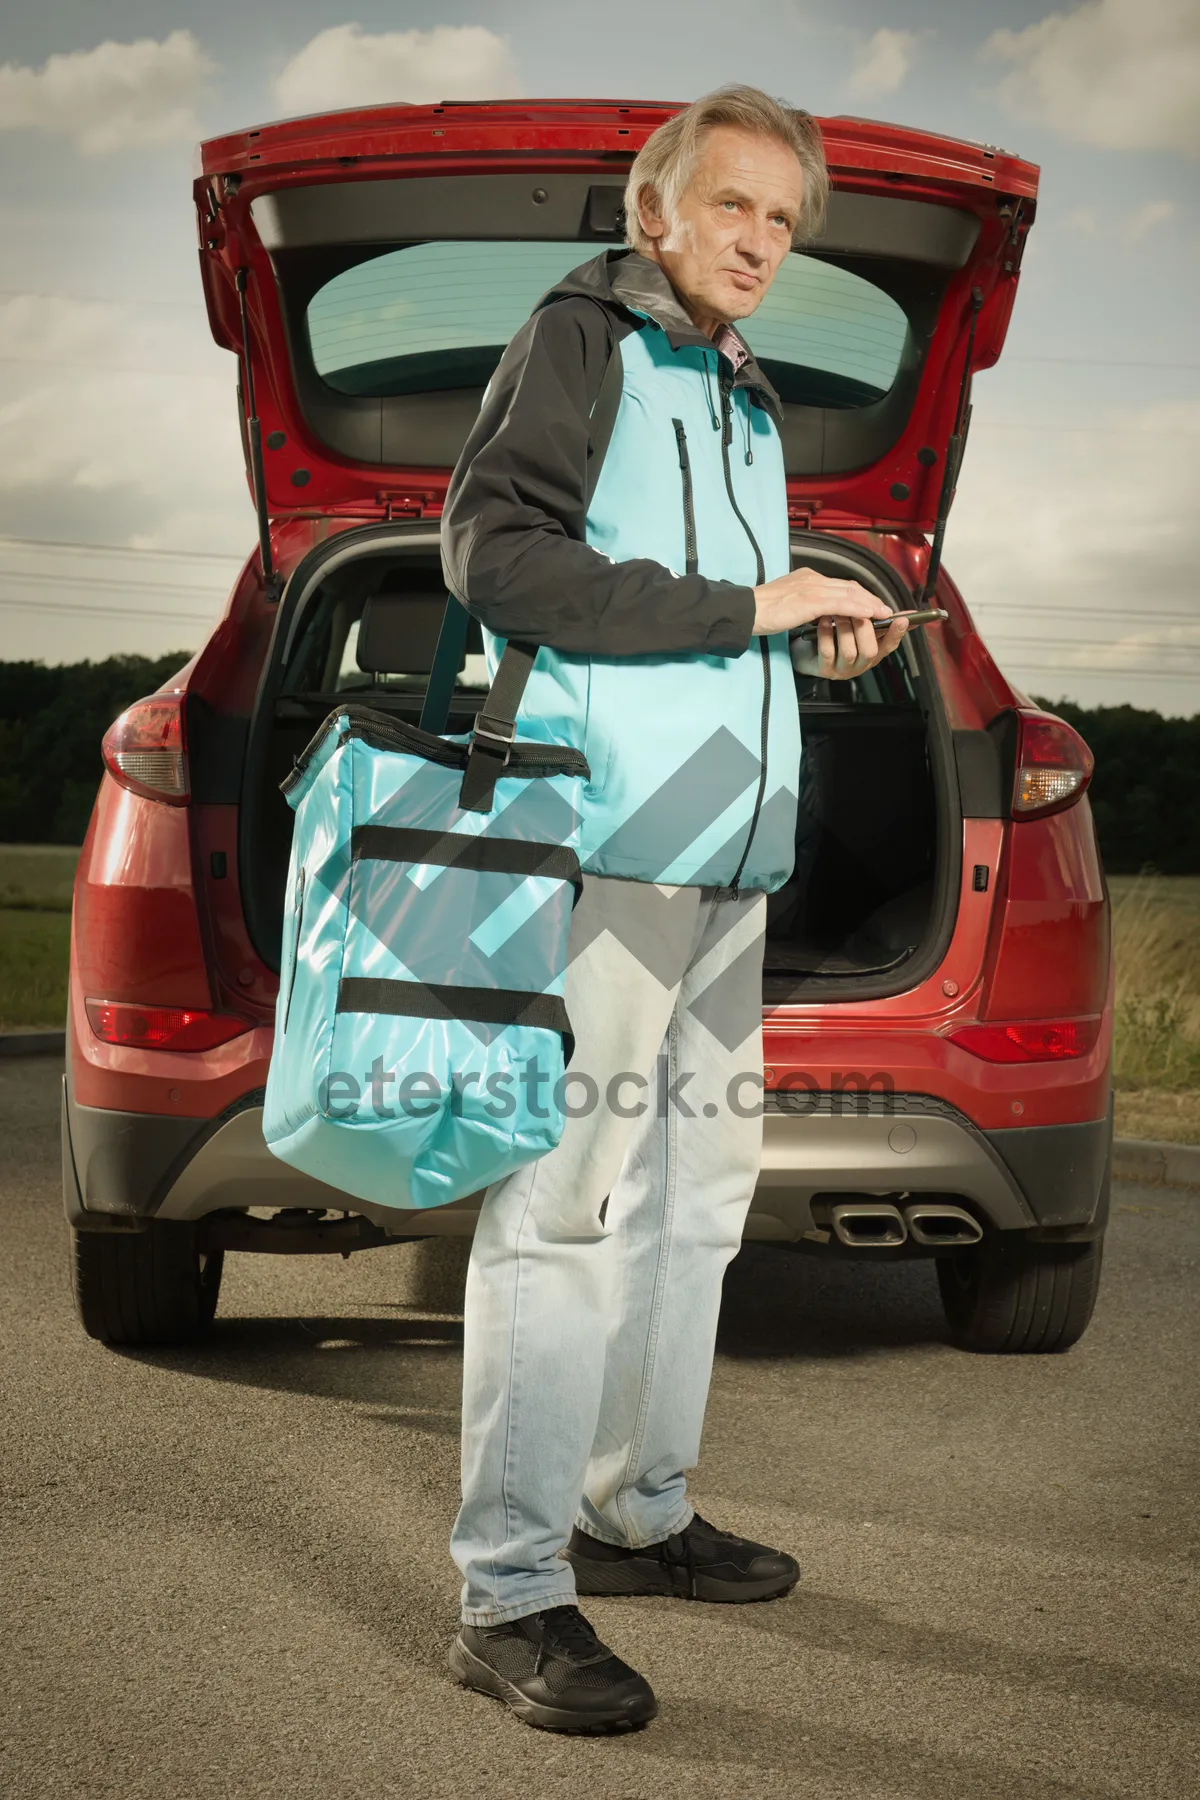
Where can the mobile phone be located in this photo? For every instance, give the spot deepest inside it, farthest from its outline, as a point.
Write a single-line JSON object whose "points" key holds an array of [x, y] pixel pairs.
{"points": [[930, 616]]}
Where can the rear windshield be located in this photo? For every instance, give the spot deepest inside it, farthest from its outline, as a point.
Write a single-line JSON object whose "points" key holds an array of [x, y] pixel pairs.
{"points": [[437, 316]]}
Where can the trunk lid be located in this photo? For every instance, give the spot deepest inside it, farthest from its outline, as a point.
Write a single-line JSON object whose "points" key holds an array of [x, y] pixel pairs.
{"points": [[391, 252]]}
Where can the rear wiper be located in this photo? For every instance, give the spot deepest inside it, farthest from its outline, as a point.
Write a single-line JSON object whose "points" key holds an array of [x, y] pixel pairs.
{"points": [[272, 581], [954, 456]]}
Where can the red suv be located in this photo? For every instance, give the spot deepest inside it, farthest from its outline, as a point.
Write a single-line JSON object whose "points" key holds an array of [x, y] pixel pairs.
{"points": [[937, 984]]}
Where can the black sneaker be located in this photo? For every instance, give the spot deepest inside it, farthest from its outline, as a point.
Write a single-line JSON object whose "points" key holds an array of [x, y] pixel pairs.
{"points": [[697, 1563], [554, 1672]]}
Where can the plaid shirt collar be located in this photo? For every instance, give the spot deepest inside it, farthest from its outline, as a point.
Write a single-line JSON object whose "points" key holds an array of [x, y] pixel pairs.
{"points": [[730, 344]]}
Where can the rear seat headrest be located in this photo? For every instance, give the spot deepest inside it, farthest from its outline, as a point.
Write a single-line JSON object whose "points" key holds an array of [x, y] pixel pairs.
{"points": [[398, 633]]}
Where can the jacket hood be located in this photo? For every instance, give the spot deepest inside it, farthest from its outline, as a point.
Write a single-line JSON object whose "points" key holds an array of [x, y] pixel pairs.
{"points": [[628, 282]]}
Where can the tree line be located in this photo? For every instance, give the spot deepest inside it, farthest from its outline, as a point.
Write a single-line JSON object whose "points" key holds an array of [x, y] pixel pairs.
{"points": [[51, 722], [1145, 793]]}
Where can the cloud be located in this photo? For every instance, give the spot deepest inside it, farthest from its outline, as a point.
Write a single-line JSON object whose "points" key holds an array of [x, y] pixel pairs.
{"points": [[1128, 227], [118, 423], [345, 66], [115, 97], [881, 65], [1117, 74], [1099, 533]]}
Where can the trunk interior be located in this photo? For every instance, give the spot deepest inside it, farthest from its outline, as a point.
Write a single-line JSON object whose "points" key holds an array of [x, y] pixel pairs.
{"points": [[869, 904]]}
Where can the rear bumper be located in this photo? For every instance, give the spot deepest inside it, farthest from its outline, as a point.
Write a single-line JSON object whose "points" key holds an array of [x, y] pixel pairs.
{"points": [[120, 1168], [1049, 1180]]}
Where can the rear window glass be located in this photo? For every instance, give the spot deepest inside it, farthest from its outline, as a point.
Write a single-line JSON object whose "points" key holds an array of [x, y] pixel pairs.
{"points": [[437, 316]]}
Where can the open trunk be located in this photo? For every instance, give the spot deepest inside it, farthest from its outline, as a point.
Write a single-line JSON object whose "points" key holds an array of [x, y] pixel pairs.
{"points": [[870, 905], [369, 266]]}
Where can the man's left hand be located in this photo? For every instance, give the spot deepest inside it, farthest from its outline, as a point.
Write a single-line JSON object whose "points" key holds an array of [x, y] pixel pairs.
{"points": [[846, 648]]}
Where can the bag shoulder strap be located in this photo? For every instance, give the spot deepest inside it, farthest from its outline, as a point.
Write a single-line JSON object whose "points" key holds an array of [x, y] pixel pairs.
{"points": [[443, 672], [496, 721], [496, 727]]}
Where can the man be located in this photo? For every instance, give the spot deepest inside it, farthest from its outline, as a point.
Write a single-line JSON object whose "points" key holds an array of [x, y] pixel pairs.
{"points": [[621, 504]]}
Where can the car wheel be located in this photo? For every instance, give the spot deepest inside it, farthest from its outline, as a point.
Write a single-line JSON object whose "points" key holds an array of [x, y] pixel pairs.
{"points": [[1010, 1295], [157, 1286]]}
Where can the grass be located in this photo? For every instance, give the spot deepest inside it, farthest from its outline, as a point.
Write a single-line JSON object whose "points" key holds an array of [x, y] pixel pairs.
{"points": [[37, 877], [1156, 939], [1156, 1059], [35, 933], [33, 968], [1169, 1118]]}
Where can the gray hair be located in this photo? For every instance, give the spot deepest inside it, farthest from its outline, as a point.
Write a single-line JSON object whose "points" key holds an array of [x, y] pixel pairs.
{"points": [[665, 162]]}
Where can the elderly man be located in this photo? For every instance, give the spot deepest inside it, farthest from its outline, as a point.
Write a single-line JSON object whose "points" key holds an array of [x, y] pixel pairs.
{"points": [[621, 504]]}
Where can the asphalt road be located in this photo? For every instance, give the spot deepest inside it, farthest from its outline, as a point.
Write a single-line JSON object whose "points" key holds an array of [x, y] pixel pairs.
{"points": [[225, 1572]]}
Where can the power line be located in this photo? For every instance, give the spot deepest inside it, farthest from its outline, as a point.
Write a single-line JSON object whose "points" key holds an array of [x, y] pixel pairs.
{"points": [[1065, 672], [115, 612], [1066, 614], [1000, 638], [997, 629], [1118, 608], [80, 544], [37, 578], [1127, 670], [97, 368], [1066, 643], [97, 299], [1122, 431], [1060, 643], [1101, 362]]}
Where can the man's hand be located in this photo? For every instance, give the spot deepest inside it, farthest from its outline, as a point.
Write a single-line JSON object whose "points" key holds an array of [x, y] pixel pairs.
{"points": [[847, 643]]}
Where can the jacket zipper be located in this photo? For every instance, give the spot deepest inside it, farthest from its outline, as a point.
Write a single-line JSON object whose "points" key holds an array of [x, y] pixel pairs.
{"points": [[692, 564], [726, 387]]}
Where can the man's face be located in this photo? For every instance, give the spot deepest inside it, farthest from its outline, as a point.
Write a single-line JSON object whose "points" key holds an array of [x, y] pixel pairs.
{"points": [[733, 226]]}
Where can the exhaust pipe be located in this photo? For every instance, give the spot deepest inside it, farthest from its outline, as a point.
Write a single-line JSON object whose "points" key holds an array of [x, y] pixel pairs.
{"points": [[862, 1224], [934, 1224]]}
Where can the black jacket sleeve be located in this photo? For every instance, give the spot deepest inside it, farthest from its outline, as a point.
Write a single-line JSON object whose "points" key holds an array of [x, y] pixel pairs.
{"points": [[513, 541]]}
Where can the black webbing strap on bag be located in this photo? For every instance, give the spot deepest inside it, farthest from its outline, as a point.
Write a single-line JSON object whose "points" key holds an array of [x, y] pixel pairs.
{"points": [[435, 1000], [496, 728], [457, 850], [496, 722], [447, 661]]}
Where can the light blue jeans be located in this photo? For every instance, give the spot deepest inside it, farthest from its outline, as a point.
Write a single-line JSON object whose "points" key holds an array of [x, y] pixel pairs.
{"points": [[595, 1275]]}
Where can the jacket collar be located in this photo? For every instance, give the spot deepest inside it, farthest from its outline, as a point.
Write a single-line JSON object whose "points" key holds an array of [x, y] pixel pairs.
{"points": [[636, 284], [640, 284]]}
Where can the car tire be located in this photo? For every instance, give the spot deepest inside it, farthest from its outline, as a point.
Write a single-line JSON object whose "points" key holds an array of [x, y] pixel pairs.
{"points": [[1007, 1295], [157, 1286]]}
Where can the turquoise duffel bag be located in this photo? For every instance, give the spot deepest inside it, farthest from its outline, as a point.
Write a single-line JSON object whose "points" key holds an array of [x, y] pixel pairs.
{"points": [[421, 1039]]}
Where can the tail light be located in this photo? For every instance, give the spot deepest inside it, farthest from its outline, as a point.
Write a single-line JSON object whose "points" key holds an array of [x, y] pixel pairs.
{"points": [[162, 1027], [1054, 766], [1031, 1040], [144, 749]]}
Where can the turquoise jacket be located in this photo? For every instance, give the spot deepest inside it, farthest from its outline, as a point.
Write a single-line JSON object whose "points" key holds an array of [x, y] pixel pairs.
{"points": [[619, 498]]}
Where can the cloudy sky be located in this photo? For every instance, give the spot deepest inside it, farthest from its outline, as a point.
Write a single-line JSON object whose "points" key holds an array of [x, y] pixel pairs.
{"points": [[123, 504]]}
